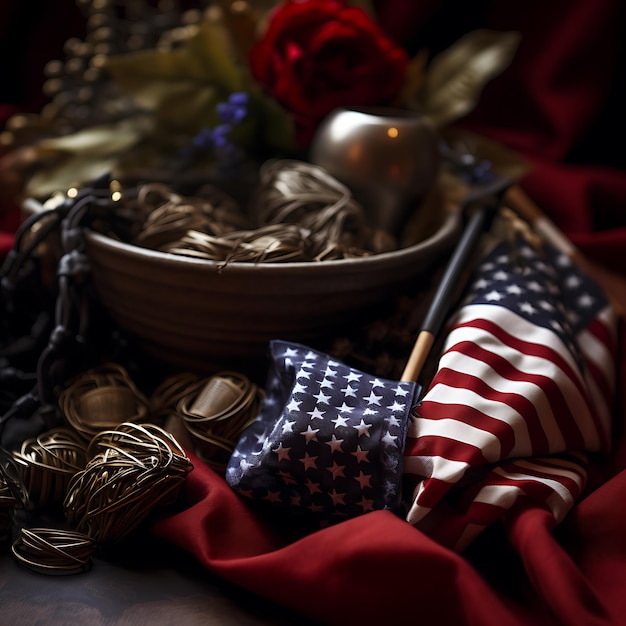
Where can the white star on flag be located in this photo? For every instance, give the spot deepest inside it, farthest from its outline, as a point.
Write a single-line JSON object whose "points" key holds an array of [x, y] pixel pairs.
{"points": [[339, 458]]}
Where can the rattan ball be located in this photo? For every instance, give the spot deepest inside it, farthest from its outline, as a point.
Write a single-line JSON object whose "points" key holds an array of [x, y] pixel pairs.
{"points": [[102, 398], [215, 411], [130, 471], [47, 464]]}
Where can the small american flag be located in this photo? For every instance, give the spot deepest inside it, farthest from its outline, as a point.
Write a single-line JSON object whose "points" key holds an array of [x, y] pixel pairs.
{"points": [[328, 440], [523, 391]]}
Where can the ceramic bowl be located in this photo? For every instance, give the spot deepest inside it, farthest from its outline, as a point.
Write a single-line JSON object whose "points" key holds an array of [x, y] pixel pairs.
{"points": [[189, 314]]}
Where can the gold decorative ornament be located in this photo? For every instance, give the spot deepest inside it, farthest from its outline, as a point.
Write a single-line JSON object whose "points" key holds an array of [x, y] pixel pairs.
{"points": [[215, 411], [53, 551], [102, 398], [130, 471], [48, 462]]}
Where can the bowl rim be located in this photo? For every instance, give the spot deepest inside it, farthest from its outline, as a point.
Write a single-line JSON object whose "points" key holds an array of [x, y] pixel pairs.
{"points": [[449, 225], [447, 229]]}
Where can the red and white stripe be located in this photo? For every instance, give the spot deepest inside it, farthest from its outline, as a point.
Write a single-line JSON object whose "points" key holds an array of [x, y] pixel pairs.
{"points": [[507, 417]]}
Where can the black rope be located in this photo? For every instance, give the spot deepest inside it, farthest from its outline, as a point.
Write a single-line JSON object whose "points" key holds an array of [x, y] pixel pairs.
{"points": [[42, 343]]}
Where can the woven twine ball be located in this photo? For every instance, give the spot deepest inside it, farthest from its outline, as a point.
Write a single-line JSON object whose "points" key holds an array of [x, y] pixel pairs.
{"points": [[130, 471], [47, 463], [211, 227], [53, 551], [39, 474], [215, 411], [300, 212], [298, 192], [105, 472], [101, 399], [166, 396], [168, 216]]}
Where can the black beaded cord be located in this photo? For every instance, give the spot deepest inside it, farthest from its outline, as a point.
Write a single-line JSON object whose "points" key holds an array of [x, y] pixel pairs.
{"points": [[44, 342]]}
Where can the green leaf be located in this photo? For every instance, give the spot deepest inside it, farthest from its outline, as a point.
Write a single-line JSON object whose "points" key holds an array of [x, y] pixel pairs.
{"points": [[98, 140], [183, 108], [277, 129], [458, 75], [75, 159], [212, 47], [136, 73], [67, 171], [182, 85], [413, 85], [205, 58]]}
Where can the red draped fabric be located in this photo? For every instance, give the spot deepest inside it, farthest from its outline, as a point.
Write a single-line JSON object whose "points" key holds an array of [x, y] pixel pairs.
{"points": [[561, 104]]}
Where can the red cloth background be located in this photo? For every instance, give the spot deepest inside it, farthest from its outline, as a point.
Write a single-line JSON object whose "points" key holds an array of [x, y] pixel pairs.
{"points": [[561, 104]]}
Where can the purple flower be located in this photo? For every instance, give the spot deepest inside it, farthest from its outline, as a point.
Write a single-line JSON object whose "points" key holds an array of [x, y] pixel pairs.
{"points": [[220, 135], [217, 141], [235, 109]]}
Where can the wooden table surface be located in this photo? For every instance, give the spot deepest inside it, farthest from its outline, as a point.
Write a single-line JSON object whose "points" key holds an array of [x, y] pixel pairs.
{"points": [[140, 582]]}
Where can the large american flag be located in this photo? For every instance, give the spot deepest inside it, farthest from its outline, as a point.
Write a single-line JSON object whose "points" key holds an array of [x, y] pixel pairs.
{"points": [[522, 393], [329, 439]]}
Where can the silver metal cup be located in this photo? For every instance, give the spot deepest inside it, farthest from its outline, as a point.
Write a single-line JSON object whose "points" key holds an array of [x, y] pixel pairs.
{"points": [[389, 158]]}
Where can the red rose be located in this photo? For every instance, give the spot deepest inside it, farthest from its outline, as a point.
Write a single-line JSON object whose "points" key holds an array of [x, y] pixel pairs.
{"points": [[316, 55]]}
